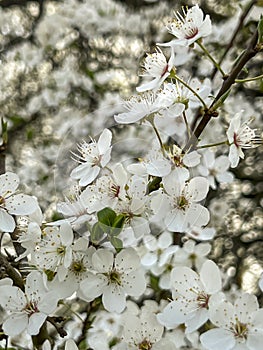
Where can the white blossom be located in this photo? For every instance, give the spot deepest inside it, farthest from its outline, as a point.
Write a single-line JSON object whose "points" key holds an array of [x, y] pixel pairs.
{"points": [[29, 310], [179, 205], [54, 251], [215, 169], [137, 108], [114, 278], [239, 326], [12, 203], [188, 27], [192, 255], [156, 66], [240, 136], [193, 295], [143, 332], [93, 156]]}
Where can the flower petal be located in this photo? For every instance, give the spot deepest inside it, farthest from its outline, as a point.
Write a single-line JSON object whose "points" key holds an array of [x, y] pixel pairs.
{"points": [[21, 204], [218, 339], [8, 183], [93, 286], [35, 322], [113, 298], [104, 141], [210, 277], [15, 324], [7, 222], [102, 260]]}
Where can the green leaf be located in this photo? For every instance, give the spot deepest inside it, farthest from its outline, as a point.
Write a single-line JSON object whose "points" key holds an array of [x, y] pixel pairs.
{"points": [[97, 233], [116, 242], [119, 221], [106, 216]]}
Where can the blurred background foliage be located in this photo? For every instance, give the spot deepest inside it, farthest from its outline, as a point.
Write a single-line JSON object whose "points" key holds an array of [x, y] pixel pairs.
{"points": [[65, 65]]}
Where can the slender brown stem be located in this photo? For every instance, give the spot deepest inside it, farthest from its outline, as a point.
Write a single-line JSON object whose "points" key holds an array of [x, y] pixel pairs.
{"points": [[11, 272], [2, 158]]}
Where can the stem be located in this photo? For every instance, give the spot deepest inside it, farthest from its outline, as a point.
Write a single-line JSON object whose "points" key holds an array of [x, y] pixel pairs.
{"points": [[217, 65], [12, 273], [156, 132], [249, 79], [59, 328], [189, 88], [61, 302], [214, 144]]}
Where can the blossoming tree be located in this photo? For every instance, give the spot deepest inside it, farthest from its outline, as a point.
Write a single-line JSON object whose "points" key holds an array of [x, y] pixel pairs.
{"points": [[119, 251]]}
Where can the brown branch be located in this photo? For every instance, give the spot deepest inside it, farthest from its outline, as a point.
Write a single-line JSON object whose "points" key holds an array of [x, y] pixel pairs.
{"points": [[11, 272], [249, 53], [2, 158]]}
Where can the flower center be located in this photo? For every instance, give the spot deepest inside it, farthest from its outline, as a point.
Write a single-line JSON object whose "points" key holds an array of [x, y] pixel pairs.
{"points": [[31, 308], [191, 33], [182, 203], [115, 190], [77, 267], [114, 277], [236, 139], [61, 250], [203, 300], [240, 330], [145, 345], [165, 70]]}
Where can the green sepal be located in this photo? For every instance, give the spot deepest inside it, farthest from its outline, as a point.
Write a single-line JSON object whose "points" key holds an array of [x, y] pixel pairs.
{"points": [[50, 275], [119, 221]]}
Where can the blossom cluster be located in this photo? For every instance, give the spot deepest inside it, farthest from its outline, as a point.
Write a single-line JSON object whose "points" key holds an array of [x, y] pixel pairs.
{"points": [[114, 245]]}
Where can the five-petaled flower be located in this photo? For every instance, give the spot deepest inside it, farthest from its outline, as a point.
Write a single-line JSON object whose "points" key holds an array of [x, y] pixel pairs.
{"points": [[115, 278], [240, 136], [12, 203], [156, 66], [189, 27], [93, 156], [193, 296], [239, 326], [27, 310], [179, 206]]}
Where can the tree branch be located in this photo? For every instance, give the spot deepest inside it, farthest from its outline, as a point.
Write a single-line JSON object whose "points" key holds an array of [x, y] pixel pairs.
{"points": [[249, 53], [11, 272]]}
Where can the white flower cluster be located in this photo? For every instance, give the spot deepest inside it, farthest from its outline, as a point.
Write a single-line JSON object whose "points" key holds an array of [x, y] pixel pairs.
{"points": [[115, 250]]}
